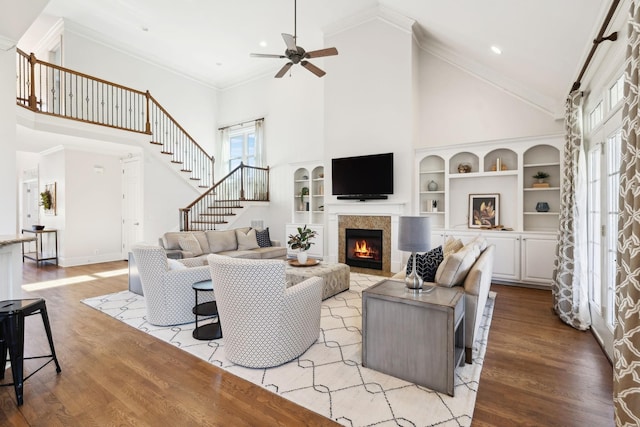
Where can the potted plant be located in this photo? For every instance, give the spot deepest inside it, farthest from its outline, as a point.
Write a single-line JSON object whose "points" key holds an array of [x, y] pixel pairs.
{"points": [[541, 176], [46, 200], [302, 242], [304, 191]]}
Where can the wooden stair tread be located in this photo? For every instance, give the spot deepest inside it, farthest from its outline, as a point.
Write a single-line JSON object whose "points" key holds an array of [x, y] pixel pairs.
{"points": [[209, 222]]}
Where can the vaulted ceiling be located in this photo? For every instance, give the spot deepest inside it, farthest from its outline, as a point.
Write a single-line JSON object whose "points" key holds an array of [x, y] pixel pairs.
{"points": [[544, 42]]}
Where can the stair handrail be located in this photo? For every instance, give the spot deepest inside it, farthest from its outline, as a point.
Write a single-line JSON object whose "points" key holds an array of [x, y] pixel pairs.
{"points": [[219, 198]]}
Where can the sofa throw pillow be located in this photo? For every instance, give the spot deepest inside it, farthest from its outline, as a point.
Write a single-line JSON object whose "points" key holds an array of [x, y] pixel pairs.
{"points": [[454, 268], [263, 238], [246, 240], [221, 241], [189, 243], [175, 264], [426, 264], [452, 245], [480, 242]]}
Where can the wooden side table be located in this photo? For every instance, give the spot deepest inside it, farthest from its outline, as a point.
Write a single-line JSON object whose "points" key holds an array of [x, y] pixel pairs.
{"points": [[418, 337], [40, 254]]}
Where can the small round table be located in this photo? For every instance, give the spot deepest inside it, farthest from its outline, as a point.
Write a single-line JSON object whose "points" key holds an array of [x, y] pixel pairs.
{"points": [[209, 331]]}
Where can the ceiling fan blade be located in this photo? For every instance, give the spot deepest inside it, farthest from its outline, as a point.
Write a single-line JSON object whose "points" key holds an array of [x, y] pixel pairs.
{"points": [[284, 70], [265, 55], [290, 41], [321, 52], [315, 70]]}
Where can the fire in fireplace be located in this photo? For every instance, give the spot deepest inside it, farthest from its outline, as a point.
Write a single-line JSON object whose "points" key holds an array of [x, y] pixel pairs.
{"points": [[363, 248]]}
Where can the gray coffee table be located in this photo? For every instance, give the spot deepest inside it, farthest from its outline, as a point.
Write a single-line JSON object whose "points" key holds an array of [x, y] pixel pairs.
{"points": [[418, 337], [335, 276]]}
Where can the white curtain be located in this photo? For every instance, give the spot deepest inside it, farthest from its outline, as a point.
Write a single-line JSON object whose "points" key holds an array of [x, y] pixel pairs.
{"points": [[260, 154], [570, 284], [223, 165]]}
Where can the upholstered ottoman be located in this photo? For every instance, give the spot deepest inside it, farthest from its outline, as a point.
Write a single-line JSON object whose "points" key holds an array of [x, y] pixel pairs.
{"points": [[336, 277]]}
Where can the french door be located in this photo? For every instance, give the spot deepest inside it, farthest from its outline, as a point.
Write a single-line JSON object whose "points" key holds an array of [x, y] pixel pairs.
{"points": [[603, 186]]}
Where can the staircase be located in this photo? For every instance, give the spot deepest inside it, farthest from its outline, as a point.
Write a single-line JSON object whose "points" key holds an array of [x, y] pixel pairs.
{"points": [[47, 88]]}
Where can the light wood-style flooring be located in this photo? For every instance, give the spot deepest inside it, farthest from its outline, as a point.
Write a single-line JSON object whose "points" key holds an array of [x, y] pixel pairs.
{"points": [[537, 371]]}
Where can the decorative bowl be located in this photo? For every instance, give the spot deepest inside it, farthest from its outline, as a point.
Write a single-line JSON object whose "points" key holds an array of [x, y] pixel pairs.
{"points": [[37, 227]]}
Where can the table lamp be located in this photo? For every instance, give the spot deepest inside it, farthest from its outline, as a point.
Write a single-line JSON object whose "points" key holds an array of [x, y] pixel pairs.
{"points": [[414, 235]]}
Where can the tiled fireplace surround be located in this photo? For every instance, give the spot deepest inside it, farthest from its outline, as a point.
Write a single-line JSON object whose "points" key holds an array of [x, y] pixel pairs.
{"points": [[368, 215]]}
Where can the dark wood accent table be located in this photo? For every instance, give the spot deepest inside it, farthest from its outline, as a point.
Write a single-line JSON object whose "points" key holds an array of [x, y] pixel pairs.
{"points": [[209, 331], [418, 337]]}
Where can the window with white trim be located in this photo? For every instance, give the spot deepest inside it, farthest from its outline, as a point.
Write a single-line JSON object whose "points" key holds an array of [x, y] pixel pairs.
{"points": [[595, 117], [242, 147], [616, 93], [594, 234], [613, 151]]}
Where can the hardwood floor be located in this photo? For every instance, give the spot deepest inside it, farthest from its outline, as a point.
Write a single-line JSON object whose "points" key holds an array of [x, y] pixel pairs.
{"points": [[537, 371]]}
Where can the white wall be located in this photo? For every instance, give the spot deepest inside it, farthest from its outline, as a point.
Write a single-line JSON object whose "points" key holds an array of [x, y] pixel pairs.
{"points": [[458, 107], [191, 103], [164, 195], [88, 204], [92, 208], [8, 181], [369, 98]]}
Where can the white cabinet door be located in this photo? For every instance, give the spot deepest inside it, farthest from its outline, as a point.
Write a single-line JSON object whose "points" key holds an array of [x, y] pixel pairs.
{"points": [[538, 256], [506, 264], [437, 238]]}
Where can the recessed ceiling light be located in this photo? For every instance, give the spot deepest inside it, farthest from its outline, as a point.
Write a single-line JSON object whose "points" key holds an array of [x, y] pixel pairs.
{"points": [[263, 43], [219, 64], [145, 29], [495, 49]]}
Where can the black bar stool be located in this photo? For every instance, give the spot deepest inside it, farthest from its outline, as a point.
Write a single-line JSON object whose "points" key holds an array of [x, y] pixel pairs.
{"points": [[12, 314]]}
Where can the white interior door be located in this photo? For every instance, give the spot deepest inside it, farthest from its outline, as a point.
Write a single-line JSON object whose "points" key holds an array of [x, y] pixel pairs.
{"points": [[132, 204], [30, 199]]}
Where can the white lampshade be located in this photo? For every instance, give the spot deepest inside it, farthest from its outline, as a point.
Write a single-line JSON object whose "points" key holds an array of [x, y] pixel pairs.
{"points": [[414, 233]]}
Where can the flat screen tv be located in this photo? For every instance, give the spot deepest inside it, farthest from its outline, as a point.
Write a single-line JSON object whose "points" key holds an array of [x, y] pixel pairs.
{"points": [[362, 177]]}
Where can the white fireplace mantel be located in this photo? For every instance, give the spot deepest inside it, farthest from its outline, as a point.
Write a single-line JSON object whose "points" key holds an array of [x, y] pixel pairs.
{"points": [[369, 208]]}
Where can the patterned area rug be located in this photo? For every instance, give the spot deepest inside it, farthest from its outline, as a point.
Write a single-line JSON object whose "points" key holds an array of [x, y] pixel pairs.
{"points": [[329, 378]]}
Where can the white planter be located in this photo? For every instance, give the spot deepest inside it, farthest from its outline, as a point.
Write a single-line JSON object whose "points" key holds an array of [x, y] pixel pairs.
{"points": [[302, 257]]}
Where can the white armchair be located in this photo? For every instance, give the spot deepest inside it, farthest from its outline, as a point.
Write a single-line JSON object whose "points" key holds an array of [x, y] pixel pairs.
{"points": [[168, 293], [265, 323]]}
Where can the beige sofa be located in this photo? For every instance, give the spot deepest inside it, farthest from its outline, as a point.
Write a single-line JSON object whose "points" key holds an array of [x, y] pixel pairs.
{"points": [[235, 243], [470, 267]]}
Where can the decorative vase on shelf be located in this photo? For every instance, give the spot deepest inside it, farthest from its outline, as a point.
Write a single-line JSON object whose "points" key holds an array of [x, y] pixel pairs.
{"points": [[302, 257], [542, 207], [432, 186]]}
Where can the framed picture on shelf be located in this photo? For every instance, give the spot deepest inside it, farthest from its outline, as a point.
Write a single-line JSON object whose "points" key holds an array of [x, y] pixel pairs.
{"points": [[484, 210]]}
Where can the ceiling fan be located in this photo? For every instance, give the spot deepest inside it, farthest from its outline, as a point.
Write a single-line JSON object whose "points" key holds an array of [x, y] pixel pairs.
{"points": [[296, 54]]}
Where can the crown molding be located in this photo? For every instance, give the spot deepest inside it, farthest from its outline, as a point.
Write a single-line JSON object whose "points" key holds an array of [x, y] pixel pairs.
{"points": [[544, 103], [51, 38], [377, 12], [6, 43], [81, 30]]}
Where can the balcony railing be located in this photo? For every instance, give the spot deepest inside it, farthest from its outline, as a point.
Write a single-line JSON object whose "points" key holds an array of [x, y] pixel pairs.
{"points": [[51, 89]]}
